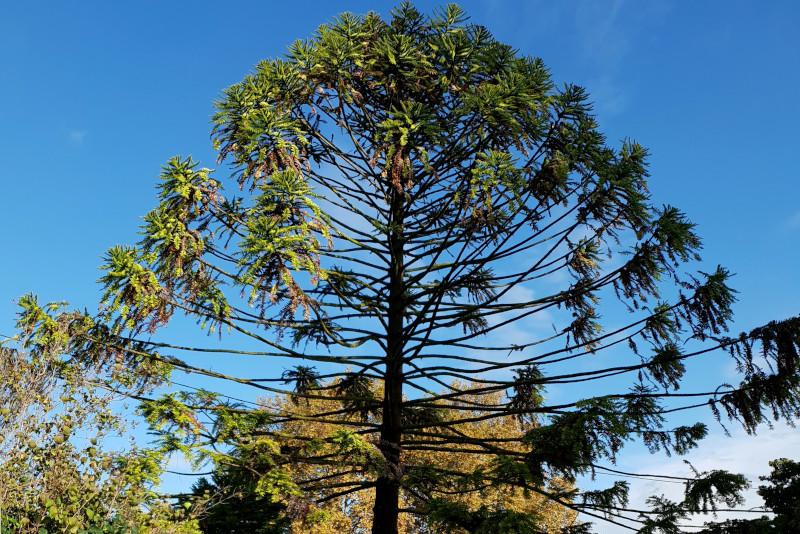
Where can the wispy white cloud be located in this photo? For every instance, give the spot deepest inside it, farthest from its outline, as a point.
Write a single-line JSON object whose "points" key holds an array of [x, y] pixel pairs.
{"points": [[609, 97], [741, 453], [608, 32], [794, 221], [76, 137], [605, 47], [601, 37]]}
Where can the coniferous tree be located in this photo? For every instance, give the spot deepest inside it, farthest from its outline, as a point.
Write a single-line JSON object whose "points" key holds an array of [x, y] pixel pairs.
{"points": [[236, 507], [781, 497], [413, 197]]}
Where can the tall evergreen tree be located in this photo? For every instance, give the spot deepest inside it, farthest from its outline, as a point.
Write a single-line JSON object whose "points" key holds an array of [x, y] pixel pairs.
{"points": [[414, 196], [781, 497], [237, 509]]}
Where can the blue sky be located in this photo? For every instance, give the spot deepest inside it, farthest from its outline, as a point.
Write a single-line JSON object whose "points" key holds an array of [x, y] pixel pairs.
{"points": [[96, 96]]}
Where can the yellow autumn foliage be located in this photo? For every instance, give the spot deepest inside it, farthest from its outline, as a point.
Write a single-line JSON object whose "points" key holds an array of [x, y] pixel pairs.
{"points": [[346, 459]]}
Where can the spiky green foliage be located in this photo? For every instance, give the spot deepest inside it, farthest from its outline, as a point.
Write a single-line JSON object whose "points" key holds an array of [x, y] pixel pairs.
{"points": [[413, 195]]}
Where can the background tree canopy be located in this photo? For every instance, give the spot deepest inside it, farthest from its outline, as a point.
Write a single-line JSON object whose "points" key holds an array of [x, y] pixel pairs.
{"points": [[781, 497], [411, 192]]}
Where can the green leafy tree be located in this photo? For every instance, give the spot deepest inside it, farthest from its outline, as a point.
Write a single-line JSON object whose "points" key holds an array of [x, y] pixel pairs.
{"points": [[59, 418], [413, 196], [782, 495]]}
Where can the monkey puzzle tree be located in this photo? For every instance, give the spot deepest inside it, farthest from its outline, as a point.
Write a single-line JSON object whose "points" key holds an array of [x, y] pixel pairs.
{"points": [[415, 199]]}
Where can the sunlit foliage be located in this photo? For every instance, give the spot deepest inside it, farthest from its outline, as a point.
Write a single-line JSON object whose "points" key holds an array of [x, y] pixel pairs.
{"points": [[414, 200]]}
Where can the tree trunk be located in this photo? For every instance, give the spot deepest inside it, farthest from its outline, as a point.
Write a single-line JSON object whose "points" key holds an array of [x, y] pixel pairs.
{"points": [[387, 489]]}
